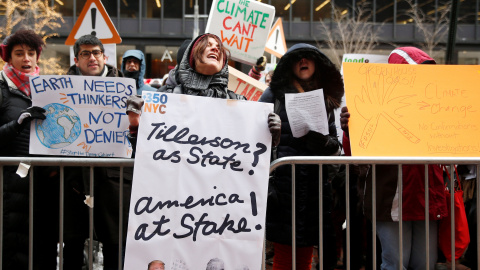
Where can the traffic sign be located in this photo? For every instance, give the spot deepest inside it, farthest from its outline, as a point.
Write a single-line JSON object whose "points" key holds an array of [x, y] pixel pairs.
{"points": [[94, 20], [276, 44]]}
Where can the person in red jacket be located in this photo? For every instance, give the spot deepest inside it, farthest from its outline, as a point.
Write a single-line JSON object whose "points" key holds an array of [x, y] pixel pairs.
{"points": [[413, 196]]}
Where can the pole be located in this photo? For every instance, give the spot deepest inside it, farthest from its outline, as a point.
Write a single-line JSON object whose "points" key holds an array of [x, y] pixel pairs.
{"points": [[452, 34]]}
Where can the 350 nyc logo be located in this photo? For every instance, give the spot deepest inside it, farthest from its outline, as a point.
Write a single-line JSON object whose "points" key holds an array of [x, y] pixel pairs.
{"points": [[155, 102]]}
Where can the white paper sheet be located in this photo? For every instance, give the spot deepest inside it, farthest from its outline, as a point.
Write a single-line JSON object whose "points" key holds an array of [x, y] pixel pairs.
{"points": [[306, 111]]}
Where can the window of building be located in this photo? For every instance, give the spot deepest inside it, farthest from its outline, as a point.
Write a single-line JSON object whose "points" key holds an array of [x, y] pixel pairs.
{"points": [[162, 60], [152, 9], [466, 13], [79, 6], [282, 9], [384, 11], [301, 10], [172, 9], [322, 10], [128, 8]]}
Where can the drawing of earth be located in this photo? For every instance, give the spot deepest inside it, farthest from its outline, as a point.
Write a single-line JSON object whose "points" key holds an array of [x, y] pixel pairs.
{"points": [[61, 127]]}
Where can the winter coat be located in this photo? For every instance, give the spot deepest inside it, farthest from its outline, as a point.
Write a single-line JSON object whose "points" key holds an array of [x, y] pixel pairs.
{"points": [[14, 142], [141, 86], [279, 225], [413, 196], [107, 186]]}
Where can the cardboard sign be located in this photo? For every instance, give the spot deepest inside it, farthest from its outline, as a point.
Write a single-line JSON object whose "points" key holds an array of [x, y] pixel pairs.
{"points": [[85, 116], [413, 110], [200, 183], [355, 58], [245, 85], [243, 27]]}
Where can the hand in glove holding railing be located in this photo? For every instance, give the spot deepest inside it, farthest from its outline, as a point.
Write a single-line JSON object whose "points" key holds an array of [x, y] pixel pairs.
{"points": [[275, 126]]}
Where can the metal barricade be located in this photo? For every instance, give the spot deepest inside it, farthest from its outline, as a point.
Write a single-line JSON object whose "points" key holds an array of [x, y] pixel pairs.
{"points": [[399, 161], [62, 163], [292, 161]]}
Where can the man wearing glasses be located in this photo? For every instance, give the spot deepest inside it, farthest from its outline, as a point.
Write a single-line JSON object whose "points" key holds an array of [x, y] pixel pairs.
{"points": [[90, 61]]}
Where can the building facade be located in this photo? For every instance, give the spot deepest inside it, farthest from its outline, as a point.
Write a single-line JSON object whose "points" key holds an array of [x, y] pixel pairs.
{"points": [[158, 27]]}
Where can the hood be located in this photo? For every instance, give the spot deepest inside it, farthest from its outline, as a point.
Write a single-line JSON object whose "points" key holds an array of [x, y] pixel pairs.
{"points": [[191, 79], [330, 78], [409, 55], [139, 55]]}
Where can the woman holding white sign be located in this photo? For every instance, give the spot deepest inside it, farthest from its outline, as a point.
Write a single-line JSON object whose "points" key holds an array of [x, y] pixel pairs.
{"points": [[303, 69], [21, 52]]}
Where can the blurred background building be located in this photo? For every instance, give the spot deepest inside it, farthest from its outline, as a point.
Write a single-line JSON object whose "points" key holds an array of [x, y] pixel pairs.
{"points": [[158, 27]]}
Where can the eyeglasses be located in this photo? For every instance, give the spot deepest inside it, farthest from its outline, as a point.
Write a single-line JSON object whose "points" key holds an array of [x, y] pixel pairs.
{"points": [[86, 54]]}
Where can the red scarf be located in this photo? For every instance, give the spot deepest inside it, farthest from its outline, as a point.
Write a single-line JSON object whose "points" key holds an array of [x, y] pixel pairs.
{"points": [[20, 79]]}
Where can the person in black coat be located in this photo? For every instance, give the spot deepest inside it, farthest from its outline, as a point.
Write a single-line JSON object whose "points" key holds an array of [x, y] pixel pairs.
{"points": [[303, 68], [21, 51]]}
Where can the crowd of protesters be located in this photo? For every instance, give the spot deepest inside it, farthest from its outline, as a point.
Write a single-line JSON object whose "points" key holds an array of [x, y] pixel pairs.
{"points": [[202, 70]]}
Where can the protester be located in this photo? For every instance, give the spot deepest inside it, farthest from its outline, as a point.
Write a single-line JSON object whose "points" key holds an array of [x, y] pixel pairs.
{"points": [[21, 52], [203, 71], [268, 77], [303, 68], [134, 66], [90, 61], [413, 201]]}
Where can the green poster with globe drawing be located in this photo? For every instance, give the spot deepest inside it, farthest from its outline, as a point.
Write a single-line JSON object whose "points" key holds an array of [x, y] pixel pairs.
{"points": [[85, 116]]}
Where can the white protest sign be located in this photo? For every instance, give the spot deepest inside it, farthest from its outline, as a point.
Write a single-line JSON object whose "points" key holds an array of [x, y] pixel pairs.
{"points": [[85, 116], [243, 27], [200, 183]]}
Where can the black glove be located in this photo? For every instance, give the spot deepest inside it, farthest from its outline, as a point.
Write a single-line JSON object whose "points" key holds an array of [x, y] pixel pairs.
{"points": [[275, 126], [261, 63], [321, 145], [30, 113]]}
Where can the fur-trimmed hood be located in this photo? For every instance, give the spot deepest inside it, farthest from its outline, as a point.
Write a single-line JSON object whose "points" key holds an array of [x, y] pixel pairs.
{"points": [[330, 78]]}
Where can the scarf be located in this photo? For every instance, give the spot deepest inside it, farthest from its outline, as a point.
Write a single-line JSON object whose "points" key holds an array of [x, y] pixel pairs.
{"points": [[20, 79]]}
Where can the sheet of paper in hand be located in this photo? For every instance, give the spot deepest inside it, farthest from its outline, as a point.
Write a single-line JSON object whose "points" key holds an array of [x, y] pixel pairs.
{"points": [[85, 116], [200, 183], [306, 111]]}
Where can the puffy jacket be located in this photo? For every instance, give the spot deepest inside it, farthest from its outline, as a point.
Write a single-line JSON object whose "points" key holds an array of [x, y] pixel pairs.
{"points": [[413, 196], [141, 86], [279, 226], [14, 142]]}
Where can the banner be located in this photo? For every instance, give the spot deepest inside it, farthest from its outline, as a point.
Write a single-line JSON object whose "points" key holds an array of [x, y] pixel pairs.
{"points": [[413, 110], [243, 27], [245, 85], [85, 116], [200, 183]]}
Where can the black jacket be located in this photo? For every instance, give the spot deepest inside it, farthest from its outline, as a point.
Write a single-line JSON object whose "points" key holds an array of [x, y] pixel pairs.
{"points": [[14, 142], [313, 144]]}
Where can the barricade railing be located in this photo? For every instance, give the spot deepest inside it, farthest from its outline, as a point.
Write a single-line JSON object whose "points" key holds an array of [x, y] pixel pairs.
{"points": [[291, 161], [61, 163], [373, 161]]}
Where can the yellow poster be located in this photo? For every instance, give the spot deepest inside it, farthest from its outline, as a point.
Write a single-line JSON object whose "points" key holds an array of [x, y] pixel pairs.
{"points": [[413, 110]]}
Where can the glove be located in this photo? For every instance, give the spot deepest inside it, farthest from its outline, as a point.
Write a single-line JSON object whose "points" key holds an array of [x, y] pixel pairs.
{"points": [[344, 117], [134, 104], [275, 126], [319, 144], [261, 63], [30, 113]]}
